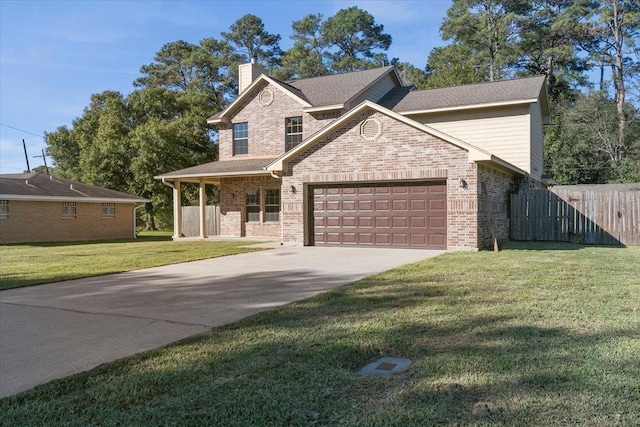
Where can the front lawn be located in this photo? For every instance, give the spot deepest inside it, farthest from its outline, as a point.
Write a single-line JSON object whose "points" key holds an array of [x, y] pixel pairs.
{"points": [[542, 335], [34, 264]]}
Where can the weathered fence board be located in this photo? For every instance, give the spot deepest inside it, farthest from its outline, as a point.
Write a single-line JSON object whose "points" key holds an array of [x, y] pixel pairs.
{"points": [[596, 215], [191, 220]]}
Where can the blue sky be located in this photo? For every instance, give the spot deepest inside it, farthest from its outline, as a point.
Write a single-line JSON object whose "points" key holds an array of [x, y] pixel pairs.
{"points": [[55, 54]]}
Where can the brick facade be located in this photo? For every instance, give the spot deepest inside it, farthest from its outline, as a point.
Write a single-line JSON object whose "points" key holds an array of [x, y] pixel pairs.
{"points": [[266, 124], [233, 210], [499, 185], [39, 221], [400, 153]]}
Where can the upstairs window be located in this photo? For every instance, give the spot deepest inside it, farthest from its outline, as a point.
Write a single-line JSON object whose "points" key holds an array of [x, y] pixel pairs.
{"points": [[240, 139], [108, 210], [293, 132], [4, 209], [272, 205], [252, 204], [68, 209]]}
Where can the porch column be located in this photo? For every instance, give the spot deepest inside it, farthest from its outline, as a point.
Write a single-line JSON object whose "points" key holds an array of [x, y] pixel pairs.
{"points": [[203, 210], [177, 211]]}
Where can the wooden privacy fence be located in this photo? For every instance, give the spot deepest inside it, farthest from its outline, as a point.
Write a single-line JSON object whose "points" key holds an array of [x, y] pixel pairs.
{"points": [[594, 214], [191, 220]]}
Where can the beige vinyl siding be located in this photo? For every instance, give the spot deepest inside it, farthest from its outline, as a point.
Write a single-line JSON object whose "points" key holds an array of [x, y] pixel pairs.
{"points": [[537, 142], [377, 91], [502, 131]]}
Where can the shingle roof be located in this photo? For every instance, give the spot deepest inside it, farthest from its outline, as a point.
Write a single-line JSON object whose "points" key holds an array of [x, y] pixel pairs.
{"points": [[402, 100], [323, 91], [338, 88], [222, 168], [36, 185]]}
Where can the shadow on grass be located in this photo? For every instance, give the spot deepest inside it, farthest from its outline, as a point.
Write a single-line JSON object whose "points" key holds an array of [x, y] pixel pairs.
{"points": [[296, 366], [552, 246]]}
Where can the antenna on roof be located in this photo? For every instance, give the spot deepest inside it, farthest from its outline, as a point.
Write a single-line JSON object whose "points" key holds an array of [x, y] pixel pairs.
{"points": [[44, 158], [24, 145]]}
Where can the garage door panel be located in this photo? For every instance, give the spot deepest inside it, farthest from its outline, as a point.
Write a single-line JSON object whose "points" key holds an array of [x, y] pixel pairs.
{"points": [[394, 214], [437, 205]]}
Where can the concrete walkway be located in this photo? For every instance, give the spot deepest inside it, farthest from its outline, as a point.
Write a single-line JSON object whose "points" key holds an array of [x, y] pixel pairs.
{"points": [[54, 330]]}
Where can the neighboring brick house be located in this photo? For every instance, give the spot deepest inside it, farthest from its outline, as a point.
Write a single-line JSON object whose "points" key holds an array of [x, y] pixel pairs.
{"points": [[40, 208], [358, 159]]}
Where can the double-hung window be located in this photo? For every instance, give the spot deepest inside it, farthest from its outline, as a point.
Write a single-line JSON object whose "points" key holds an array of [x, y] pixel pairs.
{"points": [[4, 209], [252, 205], [272, 205], [108, 210], [68, 209], [293, 132], [240, 138]]}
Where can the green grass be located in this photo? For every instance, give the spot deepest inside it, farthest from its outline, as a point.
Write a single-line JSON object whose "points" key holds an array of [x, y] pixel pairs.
{"points": [[34, 264], [548, 335]]}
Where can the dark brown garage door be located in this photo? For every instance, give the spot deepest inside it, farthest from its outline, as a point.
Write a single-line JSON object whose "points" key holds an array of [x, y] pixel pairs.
{"points": [[408, 214]]}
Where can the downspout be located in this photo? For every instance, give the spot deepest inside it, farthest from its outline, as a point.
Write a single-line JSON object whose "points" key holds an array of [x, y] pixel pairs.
{"points": [[167, 184], [135, 208]]}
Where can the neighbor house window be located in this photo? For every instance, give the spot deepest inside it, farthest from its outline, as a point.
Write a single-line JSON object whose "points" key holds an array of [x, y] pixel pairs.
{"points": [[272, 205], [68, 209], [293, 132], [108, 210], [4, 209], [252, 203], [240, 138]]}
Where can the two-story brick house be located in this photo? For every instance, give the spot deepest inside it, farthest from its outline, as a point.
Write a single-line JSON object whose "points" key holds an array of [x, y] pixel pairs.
{"points": [[358, 159]]}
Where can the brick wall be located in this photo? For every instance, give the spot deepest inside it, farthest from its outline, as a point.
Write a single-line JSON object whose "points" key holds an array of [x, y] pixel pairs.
{"points": [[266, 123], [232, 208], [498, 185], [42, 222], [401, 152]]}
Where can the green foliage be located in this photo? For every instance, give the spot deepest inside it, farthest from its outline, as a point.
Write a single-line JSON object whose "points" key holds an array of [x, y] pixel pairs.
{"points": [[581, 143], [354, 32], [452, 65], [347, 41], [248, 35]]}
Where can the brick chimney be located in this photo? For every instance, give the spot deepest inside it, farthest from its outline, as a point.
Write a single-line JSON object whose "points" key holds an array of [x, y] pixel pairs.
{"points": [[247, 73]]}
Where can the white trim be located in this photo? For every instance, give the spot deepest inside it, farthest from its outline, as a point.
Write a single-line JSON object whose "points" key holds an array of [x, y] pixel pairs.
{"points": [[69, 199], [468, 107], [324, 108], [245, 93], [213, 175]]}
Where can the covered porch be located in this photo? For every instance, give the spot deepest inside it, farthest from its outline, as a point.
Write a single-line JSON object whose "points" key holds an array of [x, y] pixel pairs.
{"points": [[213, 173]]}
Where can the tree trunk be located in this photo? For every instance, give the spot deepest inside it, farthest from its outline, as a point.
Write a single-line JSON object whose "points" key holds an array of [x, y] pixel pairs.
{"points": [[619, 78], [150, 224]]}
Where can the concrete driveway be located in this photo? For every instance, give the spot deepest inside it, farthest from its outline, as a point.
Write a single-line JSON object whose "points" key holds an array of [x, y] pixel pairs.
{"points": [[54, 330]]}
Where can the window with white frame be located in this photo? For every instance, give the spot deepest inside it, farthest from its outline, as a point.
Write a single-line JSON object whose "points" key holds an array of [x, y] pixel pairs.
{"points": [[108, 210], [272, 205], [293, 132], [68, 209], [240, 138], [252, 204], [4, 209]]}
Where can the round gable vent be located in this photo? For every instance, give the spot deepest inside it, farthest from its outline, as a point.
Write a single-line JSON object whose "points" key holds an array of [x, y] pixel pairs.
{"points": [[266, 97], [370, 129]]}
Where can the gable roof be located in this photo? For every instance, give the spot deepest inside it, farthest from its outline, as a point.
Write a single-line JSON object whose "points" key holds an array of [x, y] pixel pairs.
{"points": [[37, 186], [224, 168], [504, 92], [475, 153], [316, 93], [338, 89]]}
